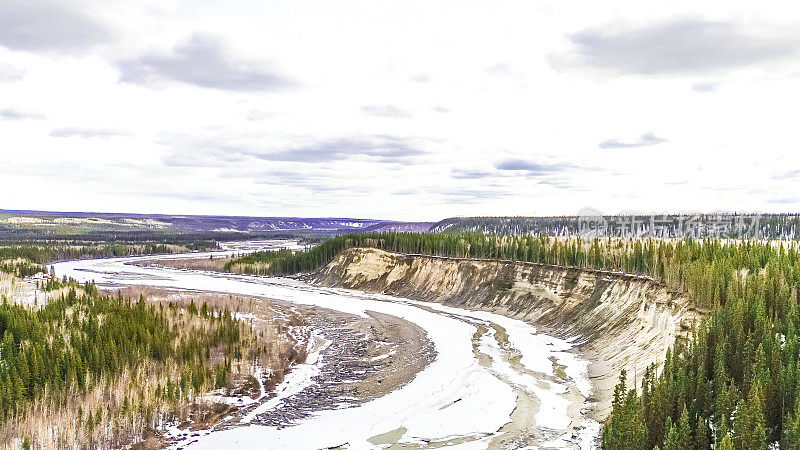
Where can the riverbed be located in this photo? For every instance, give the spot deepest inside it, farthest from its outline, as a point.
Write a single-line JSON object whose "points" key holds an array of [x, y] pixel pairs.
{"points": [[494, 382]]}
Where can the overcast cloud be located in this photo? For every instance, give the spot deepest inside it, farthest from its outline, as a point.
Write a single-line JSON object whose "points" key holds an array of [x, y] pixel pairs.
{"points": [[9, 73], [205, 62], [678, 46], [16, 114], [645, 140], [214, 152], [399, 110], [82, 132], [49, 25], [386, 111], [532, 168]]}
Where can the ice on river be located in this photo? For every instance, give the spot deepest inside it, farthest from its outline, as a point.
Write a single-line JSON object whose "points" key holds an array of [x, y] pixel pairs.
{"points": [[453, 399]]}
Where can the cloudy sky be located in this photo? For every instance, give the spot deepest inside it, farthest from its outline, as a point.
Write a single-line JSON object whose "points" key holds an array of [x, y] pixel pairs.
{"points": [[414, 110]]}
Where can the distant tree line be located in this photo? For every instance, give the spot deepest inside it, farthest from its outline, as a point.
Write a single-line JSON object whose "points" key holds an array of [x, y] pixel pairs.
{"points": [[27, 258], [20, 267], [42, 253], [768, 226]]}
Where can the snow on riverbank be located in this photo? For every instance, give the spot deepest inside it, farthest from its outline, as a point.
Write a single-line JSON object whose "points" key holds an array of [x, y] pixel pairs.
{"points": [[298, 379]]}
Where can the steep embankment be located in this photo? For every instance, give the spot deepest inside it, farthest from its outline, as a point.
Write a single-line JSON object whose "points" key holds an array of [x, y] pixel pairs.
{"points": [[621, 321]]}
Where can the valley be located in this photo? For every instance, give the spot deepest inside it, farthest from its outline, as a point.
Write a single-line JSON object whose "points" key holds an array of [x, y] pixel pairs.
{"points": [[516, 384]]}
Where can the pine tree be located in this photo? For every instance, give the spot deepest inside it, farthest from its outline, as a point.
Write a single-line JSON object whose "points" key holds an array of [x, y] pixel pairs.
{"points": [[678, 436], [726, 443], [791, 437], [749, 428], [702, 435]]}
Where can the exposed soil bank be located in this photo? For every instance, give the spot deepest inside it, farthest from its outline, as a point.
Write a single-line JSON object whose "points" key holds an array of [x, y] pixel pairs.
{"points": [[621, 321]]}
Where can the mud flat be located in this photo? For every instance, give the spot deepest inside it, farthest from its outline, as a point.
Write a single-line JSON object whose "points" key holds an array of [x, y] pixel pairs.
{"points": [[618, 321]]}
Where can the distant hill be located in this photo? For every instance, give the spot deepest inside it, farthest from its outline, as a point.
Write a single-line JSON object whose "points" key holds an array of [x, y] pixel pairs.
{"points": [[400, 227], [15, 223], [79, 225], [552, 226]]}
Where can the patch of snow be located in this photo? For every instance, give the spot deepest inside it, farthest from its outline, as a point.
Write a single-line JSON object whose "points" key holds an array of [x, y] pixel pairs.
{"points": [[295, 381]]}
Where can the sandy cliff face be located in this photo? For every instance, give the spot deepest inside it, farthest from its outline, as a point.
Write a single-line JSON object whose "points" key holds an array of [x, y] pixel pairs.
{"points": [[620, 321]]}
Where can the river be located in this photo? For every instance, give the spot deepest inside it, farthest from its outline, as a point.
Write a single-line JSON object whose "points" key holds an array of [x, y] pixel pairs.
{"points": [[495, 381]]}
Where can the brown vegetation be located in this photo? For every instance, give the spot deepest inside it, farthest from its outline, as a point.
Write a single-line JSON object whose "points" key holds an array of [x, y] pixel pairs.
{"points": [[214, 264], [128, 409]]}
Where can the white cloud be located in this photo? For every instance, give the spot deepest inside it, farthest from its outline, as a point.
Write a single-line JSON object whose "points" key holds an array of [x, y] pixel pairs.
{"points": [[203, 61], [85, 132], [678, 46], [19, 114], [9, 73], [50, 25], [645, 140]]}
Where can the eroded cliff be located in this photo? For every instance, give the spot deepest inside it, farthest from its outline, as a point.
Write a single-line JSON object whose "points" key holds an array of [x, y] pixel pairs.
{"points": [[620, 321]]}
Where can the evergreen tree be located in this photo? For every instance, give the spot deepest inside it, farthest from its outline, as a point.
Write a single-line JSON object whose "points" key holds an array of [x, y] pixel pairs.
{"points": [[726, 443]]}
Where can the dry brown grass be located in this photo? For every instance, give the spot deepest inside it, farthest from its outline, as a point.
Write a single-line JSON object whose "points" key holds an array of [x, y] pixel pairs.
{"points": [[215, 264], [10, 286], [16, 289]]}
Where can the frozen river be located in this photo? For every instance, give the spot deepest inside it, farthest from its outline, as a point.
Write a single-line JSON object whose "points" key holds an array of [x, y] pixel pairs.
{"points": [[495, 381]]}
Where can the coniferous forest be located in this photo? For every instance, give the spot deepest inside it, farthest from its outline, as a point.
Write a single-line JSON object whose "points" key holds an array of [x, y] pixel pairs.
{"points": [[736, 384], [105, 368], [42, 252]]}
